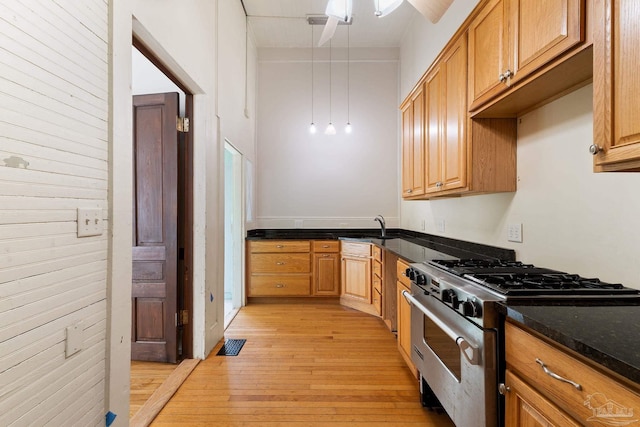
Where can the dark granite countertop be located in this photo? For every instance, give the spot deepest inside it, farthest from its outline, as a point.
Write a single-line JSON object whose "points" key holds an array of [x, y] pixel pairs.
{"points": [[604, 333], [409, 245]]}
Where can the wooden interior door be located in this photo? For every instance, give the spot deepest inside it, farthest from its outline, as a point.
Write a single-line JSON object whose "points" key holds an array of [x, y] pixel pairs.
{"points": [[155, 218]]}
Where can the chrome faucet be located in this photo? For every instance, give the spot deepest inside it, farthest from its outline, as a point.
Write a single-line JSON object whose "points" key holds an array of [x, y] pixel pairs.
{"points": [[380, 219]]}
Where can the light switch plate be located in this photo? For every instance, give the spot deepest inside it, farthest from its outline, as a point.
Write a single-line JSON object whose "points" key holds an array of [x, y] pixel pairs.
{"points": [[89, 222], [440, 225], [75, 339], [514, 232]]}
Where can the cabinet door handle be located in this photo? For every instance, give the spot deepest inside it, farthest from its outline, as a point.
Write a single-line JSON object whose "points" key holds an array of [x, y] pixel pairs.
{"points": [[439, 184], [556, 376], [279, 285], [326, 256], [279, 263], [595, 149], [409, 191], [505, 77]]}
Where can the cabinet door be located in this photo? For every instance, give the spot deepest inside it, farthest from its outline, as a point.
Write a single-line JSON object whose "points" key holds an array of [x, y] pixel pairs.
{"points": [[524, 406], [616, 85], [356, 278], [404, 325], [488, 52], [541, 30], [454, 135], [413, 145], [326, 274], [432, 134]]}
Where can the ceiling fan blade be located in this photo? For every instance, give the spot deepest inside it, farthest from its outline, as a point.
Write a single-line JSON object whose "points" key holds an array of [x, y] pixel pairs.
{"points": [[329, 30], [431, 9]]}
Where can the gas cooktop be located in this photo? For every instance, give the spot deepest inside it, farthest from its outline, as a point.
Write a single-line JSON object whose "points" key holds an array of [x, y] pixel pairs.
{"points": [[514, 278]]}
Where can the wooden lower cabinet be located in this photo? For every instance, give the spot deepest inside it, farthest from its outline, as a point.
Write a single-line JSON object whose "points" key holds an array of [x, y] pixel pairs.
{"points": [[534, 397], [404, 316], [326, 274], [524, 406], [278, 268], [357, 275]]}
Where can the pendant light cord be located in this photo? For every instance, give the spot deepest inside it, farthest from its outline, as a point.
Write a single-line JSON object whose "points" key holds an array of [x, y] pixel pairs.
{"points": [[348, 71], [330, 81], [311, 73]]}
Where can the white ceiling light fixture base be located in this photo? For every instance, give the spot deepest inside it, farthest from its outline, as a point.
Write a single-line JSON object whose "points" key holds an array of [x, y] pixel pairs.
{"points": [[431, 9]]}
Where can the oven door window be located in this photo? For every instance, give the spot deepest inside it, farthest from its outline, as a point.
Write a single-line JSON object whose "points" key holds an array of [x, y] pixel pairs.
{"points": [[444, 347]]}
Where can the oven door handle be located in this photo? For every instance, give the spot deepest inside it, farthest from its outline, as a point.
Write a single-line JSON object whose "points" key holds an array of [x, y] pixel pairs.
{"points": [[470, 352]]}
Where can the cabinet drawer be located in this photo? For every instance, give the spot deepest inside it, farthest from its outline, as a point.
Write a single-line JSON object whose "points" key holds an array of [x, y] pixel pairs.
{"points": [[377, 253], [356, 249], [599, 394], [281, 263], [377, 301], [401, 268], [326, 245], [279, 285], [279, 246]]}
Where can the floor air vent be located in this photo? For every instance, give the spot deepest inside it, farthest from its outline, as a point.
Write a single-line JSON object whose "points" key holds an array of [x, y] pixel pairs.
{"points": [[231, 347]]}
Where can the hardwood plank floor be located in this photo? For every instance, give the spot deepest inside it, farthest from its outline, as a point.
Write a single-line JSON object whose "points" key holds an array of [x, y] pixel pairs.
{"points": [[306, 365], [146, 377]]}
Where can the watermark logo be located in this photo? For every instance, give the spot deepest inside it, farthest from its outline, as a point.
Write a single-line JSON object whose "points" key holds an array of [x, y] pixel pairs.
{"points": [[608, 412]]}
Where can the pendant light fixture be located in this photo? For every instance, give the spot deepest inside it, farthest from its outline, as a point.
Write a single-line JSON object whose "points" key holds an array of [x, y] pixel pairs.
{"points": [[312, 127], [347, 128], [331, 129], [385, 7]]}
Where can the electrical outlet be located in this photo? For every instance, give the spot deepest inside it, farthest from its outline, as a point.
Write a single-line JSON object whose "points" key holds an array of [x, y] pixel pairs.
{"points": [[514, 232], [440, 225], [423, 225], [298, 223]]}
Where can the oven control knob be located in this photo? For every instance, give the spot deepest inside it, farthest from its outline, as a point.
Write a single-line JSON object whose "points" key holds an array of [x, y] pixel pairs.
{"points": [[410, 273], [471, 308], [450, 296], [421, 279]]}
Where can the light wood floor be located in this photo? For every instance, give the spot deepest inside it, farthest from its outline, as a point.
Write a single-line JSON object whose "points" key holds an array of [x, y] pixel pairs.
{"points": [[302, 365], [146, 377]]}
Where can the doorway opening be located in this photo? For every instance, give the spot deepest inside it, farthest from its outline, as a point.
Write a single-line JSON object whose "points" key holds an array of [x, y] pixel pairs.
{"points": [[233, 232]]}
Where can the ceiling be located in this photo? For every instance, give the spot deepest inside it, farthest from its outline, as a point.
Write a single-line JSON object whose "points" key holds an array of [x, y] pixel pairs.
{"points": [[282, 23]]}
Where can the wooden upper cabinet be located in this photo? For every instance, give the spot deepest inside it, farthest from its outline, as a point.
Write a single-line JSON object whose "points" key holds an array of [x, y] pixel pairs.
{"points": [[488, 52], [413, 145], [454, 135], [511, 39], [616, 86], [445, 119]]}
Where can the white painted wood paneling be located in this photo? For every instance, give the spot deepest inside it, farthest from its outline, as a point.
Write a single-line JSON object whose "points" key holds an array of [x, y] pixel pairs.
{"points": [[54, 147]]}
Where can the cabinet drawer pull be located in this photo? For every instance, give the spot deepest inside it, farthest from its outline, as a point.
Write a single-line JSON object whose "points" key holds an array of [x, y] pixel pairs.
{"points": [[556, 376], [326, 256], [325, 246], [279, 263], [279, 285], [279, 246]]}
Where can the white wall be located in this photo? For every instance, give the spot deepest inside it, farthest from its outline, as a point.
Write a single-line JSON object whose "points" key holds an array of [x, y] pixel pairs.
{"points": [[573, 219], [327, 181], [54, 151]]}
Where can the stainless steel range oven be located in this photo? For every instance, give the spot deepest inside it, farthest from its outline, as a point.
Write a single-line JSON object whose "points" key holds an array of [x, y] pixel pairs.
{"points": [[456, 330]]}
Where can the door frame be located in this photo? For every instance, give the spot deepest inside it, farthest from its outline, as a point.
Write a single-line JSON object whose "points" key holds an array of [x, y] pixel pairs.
{"points": [[185, 208], [237, 254]]}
